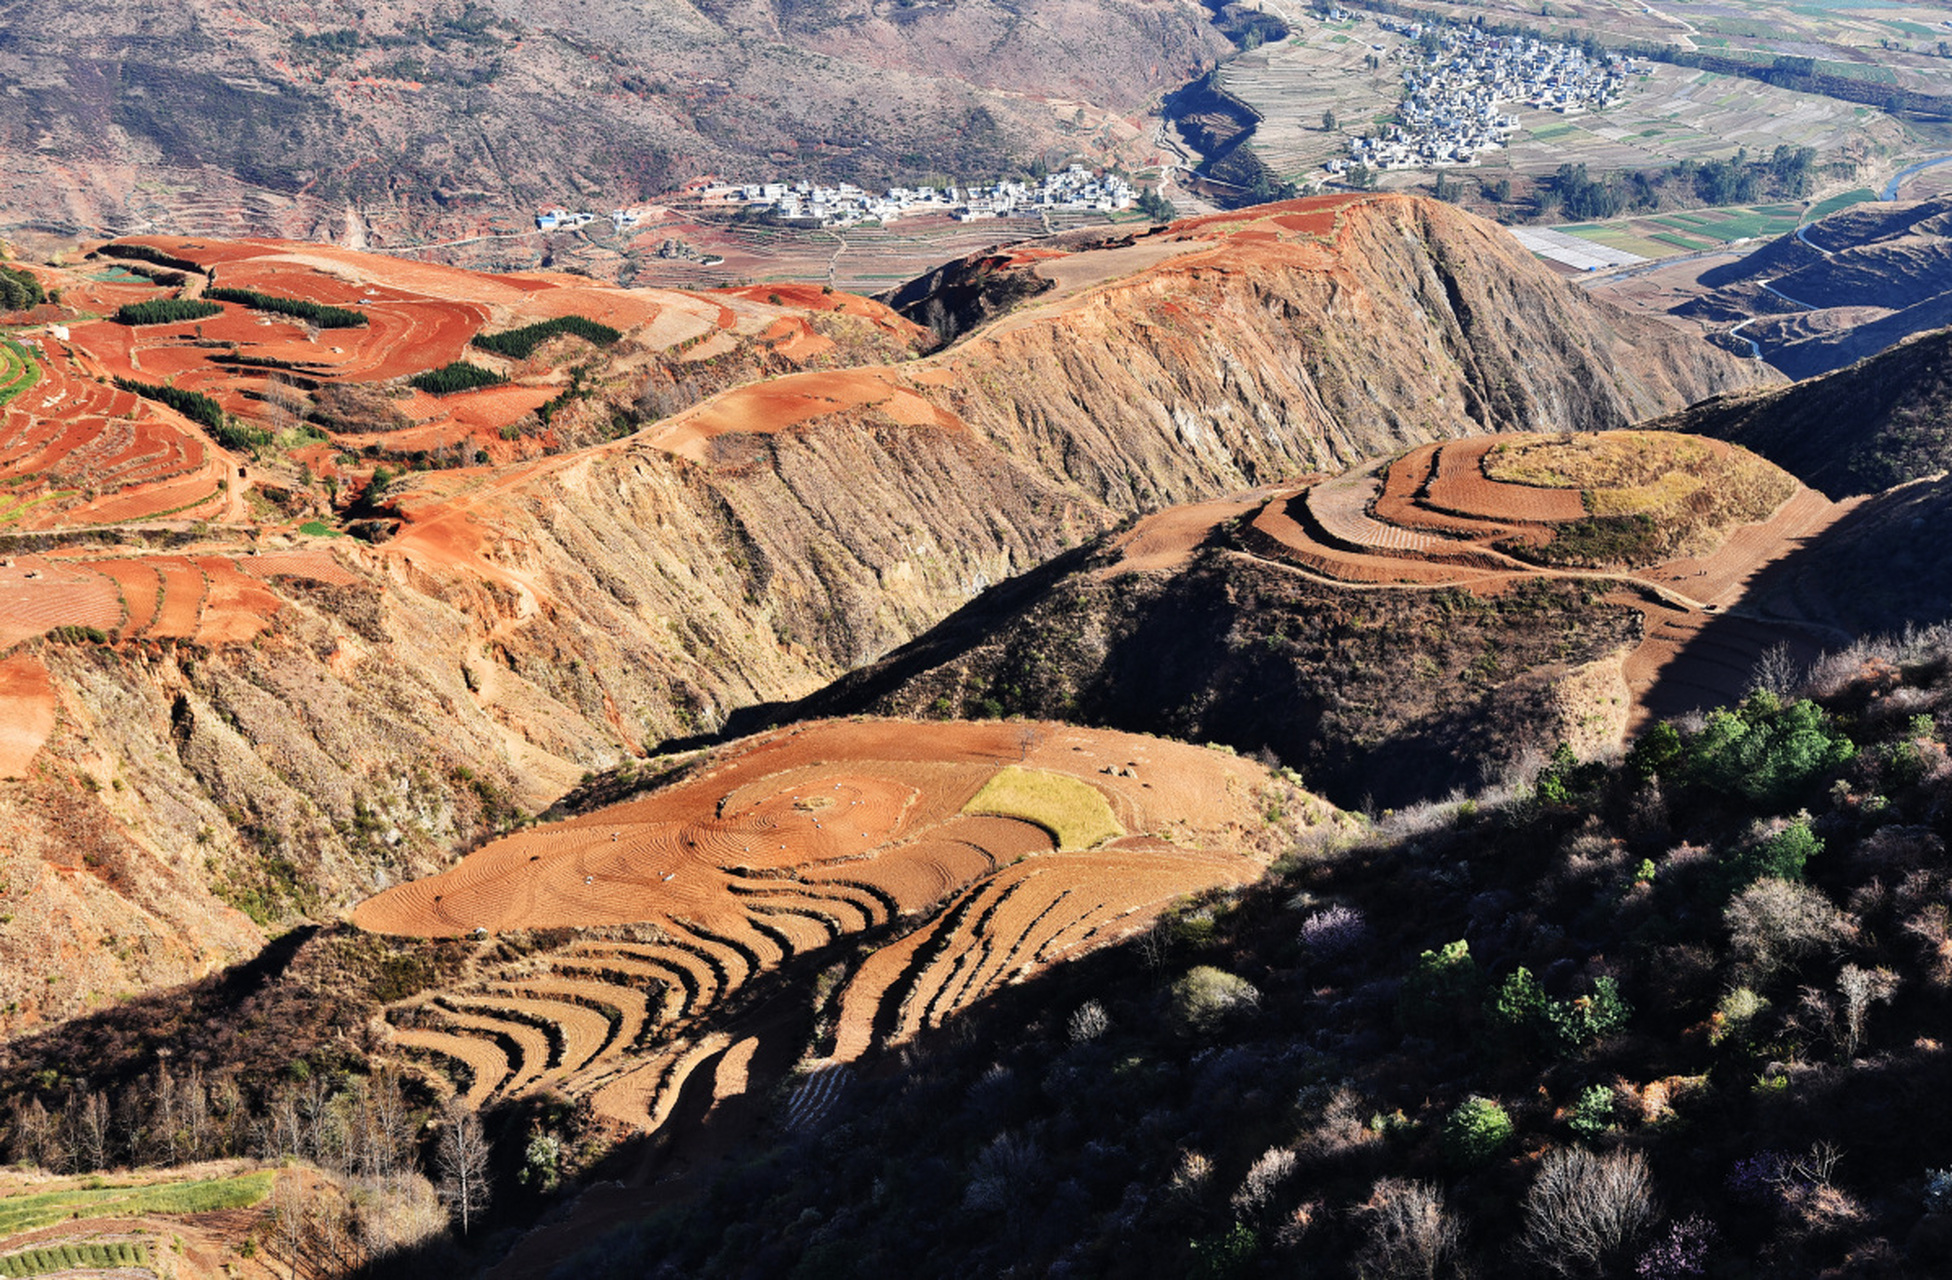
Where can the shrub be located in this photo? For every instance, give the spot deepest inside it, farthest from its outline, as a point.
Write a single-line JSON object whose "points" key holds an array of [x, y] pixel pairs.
{"points": [[1776, 923], [317, 313], [1592, 1114], [1522, 1017], [458, 376], [143, 253], [1207, 997], [19, 290], [1766, 751], [1581, 1021], [1264, 1177], [1781, 854], [1585, 1212], [1938, 1190], [166, 311], [1682, 1253], [1476, 1132], [1515, 1015], [1334, 933], [520, 344], [1226, 1254], [1734, 1018], [193, 405], [1408, 1233], [1089, 1022], [1443, 981]]}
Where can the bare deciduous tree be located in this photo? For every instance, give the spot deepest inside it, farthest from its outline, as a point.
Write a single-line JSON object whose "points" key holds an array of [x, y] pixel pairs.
{"points": [[1410, 1235], [93, 1132], [1264, 1178], [1585, 1211], [461, 1157], [1861, 988]]}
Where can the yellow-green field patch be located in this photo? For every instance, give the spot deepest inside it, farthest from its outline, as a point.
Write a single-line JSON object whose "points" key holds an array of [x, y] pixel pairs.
{"points": [[1074, 812], [20, 1213]]}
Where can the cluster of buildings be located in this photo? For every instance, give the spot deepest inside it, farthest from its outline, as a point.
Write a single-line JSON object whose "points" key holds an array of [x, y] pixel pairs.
{"points": [[564, 220], [1076, 189], [1455, 81]]}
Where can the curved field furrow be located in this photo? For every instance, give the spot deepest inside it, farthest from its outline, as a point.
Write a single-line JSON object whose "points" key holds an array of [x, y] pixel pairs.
{"points": [[631, 979], [997, 934], [580, 1034], [531, 1048], [761, 949], [182, 607], [1460, 488], [816, 1095], [645, 1096], [628, 1004], [731, 965], [142, 590], [1278, 535], [1403, 486], [1341, 507], [847, 914], [917, 875], [848, 875], [863, 1002], [961, 950], [907, 997], [803, 929], [57, 595], [486, 1063], [701, 979], [1000, 960], [732, 1077]]}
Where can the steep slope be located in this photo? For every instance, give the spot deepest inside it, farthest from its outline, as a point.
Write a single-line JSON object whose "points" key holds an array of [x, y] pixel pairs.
{"points": [[1398, 634], [436, 116], [1859, 430], [310, 719]]}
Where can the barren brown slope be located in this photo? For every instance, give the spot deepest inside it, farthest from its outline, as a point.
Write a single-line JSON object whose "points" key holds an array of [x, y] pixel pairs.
{"points": [[436, 120], [534, 621]]}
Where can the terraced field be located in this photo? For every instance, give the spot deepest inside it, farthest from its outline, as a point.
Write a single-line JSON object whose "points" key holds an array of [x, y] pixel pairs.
{"points": [[77, 451], [211, 599], [933, 843], [1684, 524]]}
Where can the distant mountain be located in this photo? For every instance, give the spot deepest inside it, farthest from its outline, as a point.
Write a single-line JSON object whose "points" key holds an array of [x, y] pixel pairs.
{"points": [[1843, 288], [434, 115]]}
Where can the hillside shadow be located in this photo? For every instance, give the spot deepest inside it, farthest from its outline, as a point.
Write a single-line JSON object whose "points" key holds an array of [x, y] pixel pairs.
{"points": [[1878, 569]]}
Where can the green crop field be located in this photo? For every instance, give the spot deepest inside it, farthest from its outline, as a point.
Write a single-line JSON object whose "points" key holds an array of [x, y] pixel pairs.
{"points": [[1843, 201], [28, 1212], [18, 370]]}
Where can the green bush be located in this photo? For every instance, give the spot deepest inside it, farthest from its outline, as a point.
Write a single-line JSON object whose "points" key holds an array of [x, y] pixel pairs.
{"points": [[1516, 1013], [458, 376], [520, 344], [1592, 1114], [143, 253], [1207, 996], [1476, 1132], [19, 290], [1766, 751], [166, 311], [1780, 856], [317, 313], [1520, 1016], [193, 405], [1442, 987]]}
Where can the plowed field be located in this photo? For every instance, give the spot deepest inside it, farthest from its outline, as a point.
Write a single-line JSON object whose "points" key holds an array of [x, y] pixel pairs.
{"points": [[783, 845]]}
